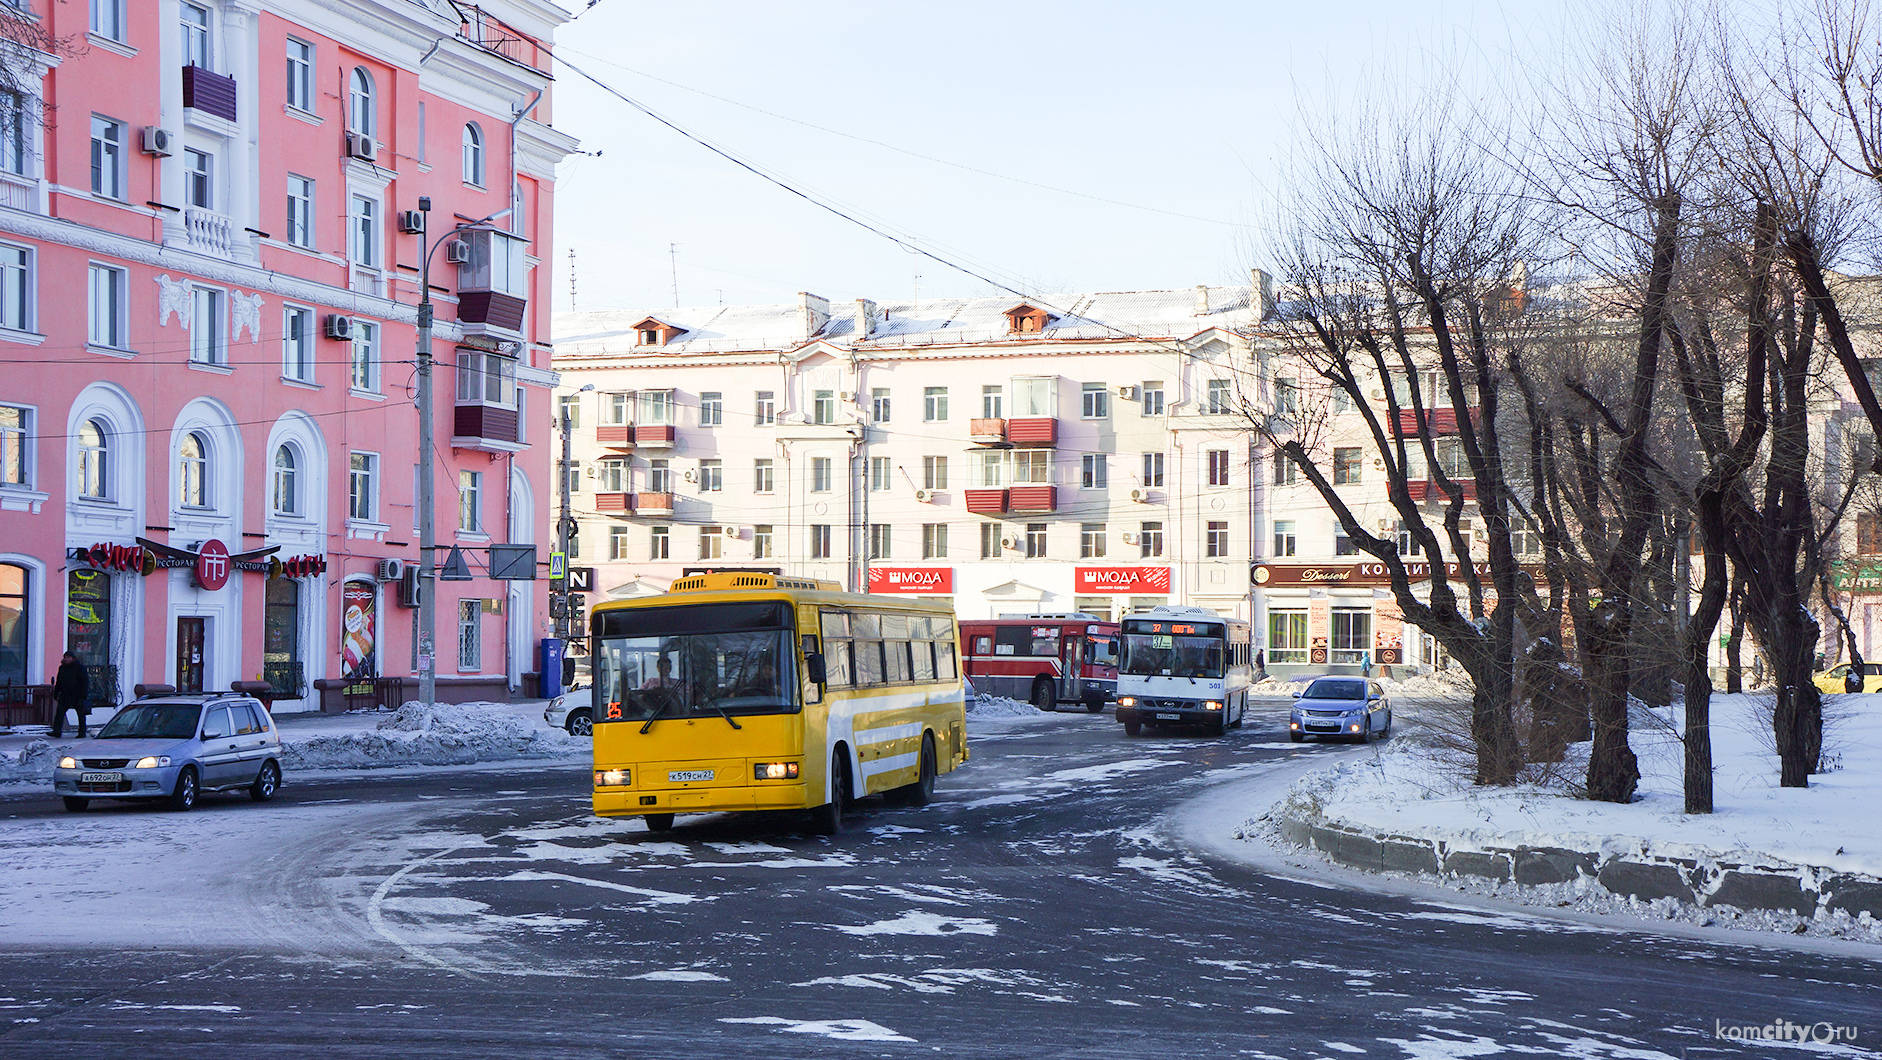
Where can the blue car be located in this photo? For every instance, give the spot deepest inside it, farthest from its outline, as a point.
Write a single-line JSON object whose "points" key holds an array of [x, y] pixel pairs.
{"points": [[1346, 708], [173, 748]]}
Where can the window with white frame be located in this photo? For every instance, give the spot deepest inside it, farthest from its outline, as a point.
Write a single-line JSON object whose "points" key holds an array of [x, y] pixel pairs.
{"points": [[934, 404], [107, 157], [762, 536], [362, 115], [1286, 395], [1032, 467], [992, 402], [1035, 540], [1218, 467], [485, 378], [470, 648], [93, 466], [618, 542], [614, 408], [569, 410], [199, 188], [653, 408], [765, 408], [192, 471], [1347, 462], [571, 476], [879, 405], [195, 26], [821, 474], [473, 155], [286, 492], [611, 476], [1343, 545], [934, 541], [1153, 469], [297, 343], [934, 472], [470, 502], [1091, 541], [105, 310], [660, 542], [1286, 472], [879, 541], [820, 541], [1352, 636], [1094, 401], [16, 431], [300, 58], [363, 229], [659, 476], [1287, 636], [16, 154], [364, 357], [1403, 537], [300, 228], [711, 476], [1216, 538], [1151, 396], [208, 338], [993, 468], [764, 476], [710, 542], [107, 19], [823, 407], [1286, 537], [16, 287], [1034, 396], [1150, 539], [1218, 400], [711, 408], [362, 487], [992, 540], [1094, 472], [880, 474]]}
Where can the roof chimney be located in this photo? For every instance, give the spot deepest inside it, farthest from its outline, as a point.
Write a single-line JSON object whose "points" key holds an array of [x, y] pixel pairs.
{"points": [[813, 312], [1261, 294], [1202, 300], [865, 318]]}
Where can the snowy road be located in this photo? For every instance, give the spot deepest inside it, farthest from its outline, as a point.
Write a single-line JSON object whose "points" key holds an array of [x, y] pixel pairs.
{"points": [[1037, 909]]}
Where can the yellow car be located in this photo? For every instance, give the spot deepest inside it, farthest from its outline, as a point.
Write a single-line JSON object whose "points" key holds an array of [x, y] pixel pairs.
{"points": [[1831, 680]]}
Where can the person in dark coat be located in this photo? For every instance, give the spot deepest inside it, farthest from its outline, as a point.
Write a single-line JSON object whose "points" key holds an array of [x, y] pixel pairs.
{"points": [[69, 691]]}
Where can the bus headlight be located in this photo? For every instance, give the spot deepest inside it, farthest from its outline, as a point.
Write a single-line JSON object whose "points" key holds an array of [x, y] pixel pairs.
{"points": [[613, 778], [774, 771], [1212, 704], [1127, 701]]}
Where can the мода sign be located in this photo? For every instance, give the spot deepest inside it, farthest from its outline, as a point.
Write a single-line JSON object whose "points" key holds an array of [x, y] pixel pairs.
{"points": [[911, 579], [1122, 579]]}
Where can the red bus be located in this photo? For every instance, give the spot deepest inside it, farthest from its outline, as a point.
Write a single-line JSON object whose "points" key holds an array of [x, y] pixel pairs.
{"points": [[1047, 659]]}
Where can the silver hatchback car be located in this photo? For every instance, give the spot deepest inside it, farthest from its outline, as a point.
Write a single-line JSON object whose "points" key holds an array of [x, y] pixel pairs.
{"points": [[175, 747]]}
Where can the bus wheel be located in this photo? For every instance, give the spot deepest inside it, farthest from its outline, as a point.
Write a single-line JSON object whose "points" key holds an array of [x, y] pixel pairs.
{"points": [[659, 822], [1132, 728], [1043, 697], [828, 818], [922, 790]]}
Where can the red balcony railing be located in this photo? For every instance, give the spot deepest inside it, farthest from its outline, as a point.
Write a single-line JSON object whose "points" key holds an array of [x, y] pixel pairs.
{"points": [[1036, 432], [1438, 421], [615, 435], [986, 432], [653, 503], [985, 502], [657, 436], [614, 502], [1420, 489], [1033, 498]]}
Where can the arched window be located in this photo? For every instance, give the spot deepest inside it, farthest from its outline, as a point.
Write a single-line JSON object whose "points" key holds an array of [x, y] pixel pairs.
{"points": [[15, 620], [362, 114], [193, 471], [94, 468], [473, 155], [287, 489]]}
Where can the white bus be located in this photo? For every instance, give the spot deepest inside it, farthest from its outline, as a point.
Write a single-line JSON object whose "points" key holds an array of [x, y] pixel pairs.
{"points": [[1183, 666]]}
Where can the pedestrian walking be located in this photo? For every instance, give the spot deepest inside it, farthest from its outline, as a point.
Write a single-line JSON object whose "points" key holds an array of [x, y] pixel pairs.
{"points": [[70, 689]]}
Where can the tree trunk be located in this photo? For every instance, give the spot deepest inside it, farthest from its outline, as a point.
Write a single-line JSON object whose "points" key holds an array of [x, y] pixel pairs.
{"points": [[1613, 771]]}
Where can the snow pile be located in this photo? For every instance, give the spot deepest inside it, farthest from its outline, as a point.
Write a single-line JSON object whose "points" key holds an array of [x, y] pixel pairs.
{"points": [[998, 707], [1449, 683], [436, 734], [34, 762]]}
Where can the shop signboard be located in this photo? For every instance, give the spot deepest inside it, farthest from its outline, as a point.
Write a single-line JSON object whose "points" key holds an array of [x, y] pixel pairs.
{"points": [[1146, 580], [359, 630], [920, 580]]}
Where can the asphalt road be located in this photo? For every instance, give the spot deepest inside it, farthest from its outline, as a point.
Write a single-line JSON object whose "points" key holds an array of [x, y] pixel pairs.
{"points": [[1039, 908]]}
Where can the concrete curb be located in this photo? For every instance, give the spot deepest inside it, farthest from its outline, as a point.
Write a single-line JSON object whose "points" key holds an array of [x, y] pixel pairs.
{"points": [[1738, 882]]}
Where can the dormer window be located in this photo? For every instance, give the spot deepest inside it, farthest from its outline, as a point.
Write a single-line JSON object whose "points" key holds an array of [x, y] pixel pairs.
{"points": [[650, 336], [1024, 319], [656, 332]]}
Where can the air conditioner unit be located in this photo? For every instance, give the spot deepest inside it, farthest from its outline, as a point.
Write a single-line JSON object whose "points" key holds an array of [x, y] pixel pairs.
{"points": [[1009, 542], [410, 589], [732, 533], [411, 221], [158, 141], [591, 471], [924, 496], [1130, 539], [1378, 463], [1376, 393], [457, 252], [391, 570], [339, 326], [362, 147], [1140, 496], [1127, 392], [690, 475]]}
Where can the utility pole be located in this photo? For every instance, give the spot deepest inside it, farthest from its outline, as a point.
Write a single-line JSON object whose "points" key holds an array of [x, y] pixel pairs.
{"points": [[427, 507], [562, 606]]}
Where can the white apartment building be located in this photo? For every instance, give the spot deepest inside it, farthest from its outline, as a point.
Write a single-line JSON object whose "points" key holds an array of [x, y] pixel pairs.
{"points": [[1073, 452]]}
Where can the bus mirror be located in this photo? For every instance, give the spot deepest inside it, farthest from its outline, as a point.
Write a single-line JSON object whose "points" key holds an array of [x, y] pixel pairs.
{"points": [[814, 661]]}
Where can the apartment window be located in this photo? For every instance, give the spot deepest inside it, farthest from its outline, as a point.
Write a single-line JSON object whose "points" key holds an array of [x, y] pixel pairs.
{"points": [[107, 153], [617, 542], [1218, 401], [365, 232], [991, 543], [362, 487], [710, 540], [16, 426], [1091, 541], [297, 344], [934, 541], [879, 538], [1035, 540], [107, 19], [1403, 537], [1032, 467], [1342, 544], [1094, 471], [1218, 467], [934, 404], [206, 326], [300, 211], [473, 155], [761, 538], [660, 543], [568, 410], [192, 462], [1286, 395], [364, 357], [614, 408], [611, 476], [823, 407], [105, 306], [1346, 461], [486, 378], [763, 477], [934, 472], [1342, 402], [571, 476], [767, 408], [1286, 540], [711, 476], [1526, 543], [14, 156], [300, 75], [1216, 540], [1150, 540], [1033, 396], [993, 402], [659, 476], [711, 408], [879, 404], [195, 35], [879, 474], [993, 468], [1094, 401], [1286, 472], [469, 634], [470, 502], [1152, 396], [1287, 636], [362, 115], [820, 474], [94, 461], [1451, 458], [287, 486], [1153, 469], [1352, 636], [820, 541]]}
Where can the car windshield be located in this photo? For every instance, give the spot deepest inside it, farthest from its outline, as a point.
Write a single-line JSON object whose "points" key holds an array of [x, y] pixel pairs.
{"points": [[1335, 690], [146, 721]]}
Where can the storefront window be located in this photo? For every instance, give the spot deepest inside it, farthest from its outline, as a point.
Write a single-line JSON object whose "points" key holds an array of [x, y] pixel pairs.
{"points": [[13, 624], [281, 640], [88, 629], [1352, 636], [1287, 637]]}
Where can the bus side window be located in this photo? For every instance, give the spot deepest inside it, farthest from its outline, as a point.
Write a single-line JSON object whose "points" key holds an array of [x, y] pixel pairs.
{"points": [[983, 645], [944, 659]]}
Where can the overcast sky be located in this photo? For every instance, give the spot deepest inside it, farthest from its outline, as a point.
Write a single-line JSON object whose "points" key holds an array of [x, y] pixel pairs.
{"points": [[1029, 115]]}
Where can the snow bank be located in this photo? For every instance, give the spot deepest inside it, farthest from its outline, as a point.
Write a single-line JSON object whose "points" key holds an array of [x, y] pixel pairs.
{"points": [[436, 734], [999, 707]]}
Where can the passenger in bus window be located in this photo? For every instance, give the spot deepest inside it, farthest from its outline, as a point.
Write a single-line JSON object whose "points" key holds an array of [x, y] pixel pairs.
{"points": [[664, 677]]}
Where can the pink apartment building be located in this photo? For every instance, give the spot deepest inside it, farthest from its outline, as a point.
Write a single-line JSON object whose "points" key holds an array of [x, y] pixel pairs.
{"points": [[210, 266]]}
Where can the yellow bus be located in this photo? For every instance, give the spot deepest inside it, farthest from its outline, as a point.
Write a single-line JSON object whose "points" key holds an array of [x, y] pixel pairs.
{"points": [[752, 691]]}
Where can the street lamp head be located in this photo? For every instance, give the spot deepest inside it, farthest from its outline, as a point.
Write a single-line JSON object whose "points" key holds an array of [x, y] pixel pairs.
{"points": [[424, 204], [586, 387]]}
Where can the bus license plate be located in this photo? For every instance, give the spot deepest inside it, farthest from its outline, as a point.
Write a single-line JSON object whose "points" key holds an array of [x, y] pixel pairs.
{"points": [[1169, 717], [101, 778], [680, 776]]}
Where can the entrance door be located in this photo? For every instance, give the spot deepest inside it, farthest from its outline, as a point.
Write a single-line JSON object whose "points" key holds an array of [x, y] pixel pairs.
{"points": [[189, 653], [1073, 670]]}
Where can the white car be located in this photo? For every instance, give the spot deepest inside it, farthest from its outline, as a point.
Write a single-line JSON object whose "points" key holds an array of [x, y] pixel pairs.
{"points": [[573, 710]]}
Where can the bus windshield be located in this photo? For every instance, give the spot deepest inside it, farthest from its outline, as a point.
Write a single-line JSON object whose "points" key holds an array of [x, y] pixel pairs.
{"points": [[1171, 655], [1101, 650], [699, 661]]}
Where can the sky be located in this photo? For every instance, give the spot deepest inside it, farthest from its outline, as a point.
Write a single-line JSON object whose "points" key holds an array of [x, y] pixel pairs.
{"points": [[1043, 145]]}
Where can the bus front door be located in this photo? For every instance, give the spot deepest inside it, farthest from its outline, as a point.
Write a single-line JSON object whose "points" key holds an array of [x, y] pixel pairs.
{"points": [[1072, 673]]}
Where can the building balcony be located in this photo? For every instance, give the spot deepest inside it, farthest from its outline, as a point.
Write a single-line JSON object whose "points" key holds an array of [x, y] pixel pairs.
{"points": [[208, 232], [653, 503], [614, 502], [209, 93], [1438, 422], [654, 436], [617, 436], [489, 428], [482, 311], [985, 502], [1428, 489], [987, 432], [1036, 432], [1033, 499]]}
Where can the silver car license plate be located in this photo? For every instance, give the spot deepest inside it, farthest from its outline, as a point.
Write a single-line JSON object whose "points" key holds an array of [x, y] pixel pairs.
{"points": [[1169, 717], [101, 778], [679, 776]]}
